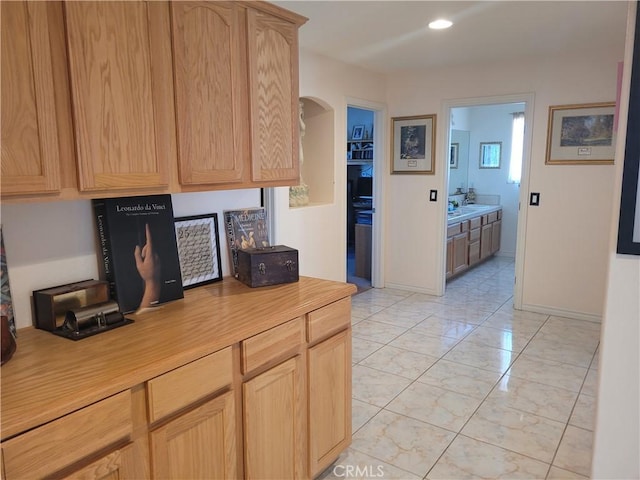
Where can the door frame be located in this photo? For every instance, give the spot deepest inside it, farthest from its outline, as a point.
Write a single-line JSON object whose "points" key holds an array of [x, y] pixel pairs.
{"points": [[528, 100], [379, 174]]}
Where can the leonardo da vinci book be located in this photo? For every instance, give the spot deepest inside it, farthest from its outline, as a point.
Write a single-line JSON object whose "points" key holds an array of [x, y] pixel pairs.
{"points": [[138, 249]]}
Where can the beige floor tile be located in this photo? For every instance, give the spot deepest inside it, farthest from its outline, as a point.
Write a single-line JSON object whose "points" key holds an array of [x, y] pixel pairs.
{"points": [[403, 442], [590, 386], [481, 356], [467, 458], [376, 387], [399, 318], [435, 405], [584, 413], [440, 327], [356, 465], [376, 331], [548, 372], [555, 349], [426, 344], [556, 473], [504, 339], [361, 413], [514, 319], [399, 362], [543, 400], [574, 453], [524, 433], [460, 378], [361, 348]]}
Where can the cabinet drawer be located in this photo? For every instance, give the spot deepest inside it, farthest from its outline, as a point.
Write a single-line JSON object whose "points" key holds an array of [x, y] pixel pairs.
{"points": [[474, 235], [272, 344], [475, 223], [453, 229], [328, 320], [493, 216], [61, 443], [185, 385], [499, 212]]}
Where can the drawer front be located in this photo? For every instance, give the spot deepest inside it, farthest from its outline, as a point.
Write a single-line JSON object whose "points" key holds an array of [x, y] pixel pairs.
{"points": [[493, 216], [61, 443], [499, 212], [328, 320], [453, 229], [474, 235], [179, 388], [485, 219], [272, 344], [475, 223], [464, 226]]}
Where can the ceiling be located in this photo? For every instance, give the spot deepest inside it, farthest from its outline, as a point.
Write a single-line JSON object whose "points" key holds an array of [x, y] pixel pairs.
{"points": [[391, 36]]}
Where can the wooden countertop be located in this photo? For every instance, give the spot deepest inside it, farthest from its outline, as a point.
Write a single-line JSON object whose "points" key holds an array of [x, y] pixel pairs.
{"points": [[50, 376]]}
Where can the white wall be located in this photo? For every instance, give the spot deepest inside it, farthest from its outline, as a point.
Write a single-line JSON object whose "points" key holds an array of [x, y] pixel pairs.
{"points": [[319, 231], [617, 431], [567, 235], [54, 243]]}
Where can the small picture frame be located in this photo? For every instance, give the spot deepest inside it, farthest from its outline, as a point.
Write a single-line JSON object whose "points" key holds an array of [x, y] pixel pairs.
{"points": [[581, 134], [453, 155], [198, 249], [357, 133], [413, 144], [490, 154]]}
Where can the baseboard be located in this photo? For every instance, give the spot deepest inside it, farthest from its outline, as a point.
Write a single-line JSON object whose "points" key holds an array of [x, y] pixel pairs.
{"points": [[410, 288], [560, 312]]}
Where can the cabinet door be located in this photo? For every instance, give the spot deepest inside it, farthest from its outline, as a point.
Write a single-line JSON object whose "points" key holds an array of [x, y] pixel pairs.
{"points": [[198, 444], [211, 91], [273, 92], [111, 68], [114, 466], [29, 138], [496, 230], [329, 400], [274, 430], [460, 253], [485, 241]]}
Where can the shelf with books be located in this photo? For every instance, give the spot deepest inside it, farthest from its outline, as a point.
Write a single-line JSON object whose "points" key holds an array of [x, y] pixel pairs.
{"points": [[359, 151]]}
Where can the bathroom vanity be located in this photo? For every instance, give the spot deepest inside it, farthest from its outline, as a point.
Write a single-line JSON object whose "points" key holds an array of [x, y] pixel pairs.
{"points": [[473, 235]]}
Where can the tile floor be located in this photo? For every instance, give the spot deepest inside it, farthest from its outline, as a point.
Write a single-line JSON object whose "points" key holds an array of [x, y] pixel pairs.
{"points": [[464, 386]]}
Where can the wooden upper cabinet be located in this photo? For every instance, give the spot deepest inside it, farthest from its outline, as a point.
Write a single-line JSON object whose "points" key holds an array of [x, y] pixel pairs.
{"points": [[273, 93], [113, 51], [30, 149], [210, 77]]}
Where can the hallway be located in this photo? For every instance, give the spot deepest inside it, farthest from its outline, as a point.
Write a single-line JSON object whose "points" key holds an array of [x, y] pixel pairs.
{"points": [[464, 386]]}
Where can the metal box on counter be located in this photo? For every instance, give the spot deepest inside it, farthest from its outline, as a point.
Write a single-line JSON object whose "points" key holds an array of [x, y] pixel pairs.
{"points": [[259, 267]]}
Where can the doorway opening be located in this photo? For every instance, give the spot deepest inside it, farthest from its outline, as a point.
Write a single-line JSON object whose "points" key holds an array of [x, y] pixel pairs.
{"points": [[488, 163], [360, 152]]}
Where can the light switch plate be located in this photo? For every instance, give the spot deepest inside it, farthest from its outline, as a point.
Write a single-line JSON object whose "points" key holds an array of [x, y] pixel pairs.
{"points": [[433, 195], [534, 199]]}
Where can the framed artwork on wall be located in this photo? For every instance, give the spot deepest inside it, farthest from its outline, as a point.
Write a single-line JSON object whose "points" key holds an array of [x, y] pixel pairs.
{"points": [[198, 249], [629, 222], [413, 144], [581, 134], [490, 154], [453, 155]]}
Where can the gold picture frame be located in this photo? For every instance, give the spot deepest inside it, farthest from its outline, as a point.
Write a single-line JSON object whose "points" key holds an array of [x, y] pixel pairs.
{"points": [[414, 144], [581, 134]]}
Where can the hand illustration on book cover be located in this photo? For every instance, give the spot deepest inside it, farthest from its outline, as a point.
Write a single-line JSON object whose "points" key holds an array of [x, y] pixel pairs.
{"points": [[139, 250], [148, 265]]}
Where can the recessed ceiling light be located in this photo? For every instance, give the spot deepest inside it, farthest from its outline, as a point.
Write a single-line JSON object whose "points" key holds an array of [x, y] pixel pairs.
{"points": [[440, 24]]}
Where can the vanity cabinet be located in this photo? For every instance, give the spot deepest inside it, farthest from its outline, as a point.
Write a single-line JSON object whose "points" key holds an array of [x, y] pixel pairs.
{"points": [[472, 240], [29, 127]]}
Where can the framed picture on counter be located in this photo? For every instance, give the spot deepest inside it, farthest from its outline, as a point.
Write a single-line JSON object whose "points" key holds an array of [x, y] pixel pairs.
{"points": [[198, 249], [581, 134], [413, 144]]}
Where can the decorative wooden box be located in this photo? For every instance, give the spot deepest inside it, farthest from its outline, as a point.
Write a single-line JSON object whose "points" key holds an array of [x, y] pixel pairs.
{"points": [[258, 267]]}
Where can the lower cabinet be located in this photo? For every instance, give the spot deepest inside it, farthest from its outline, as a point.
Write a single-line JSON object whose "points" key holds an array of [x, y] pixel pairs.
{"points": [[329, 400], [460, 253], [274, 430], [198, 444]]}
